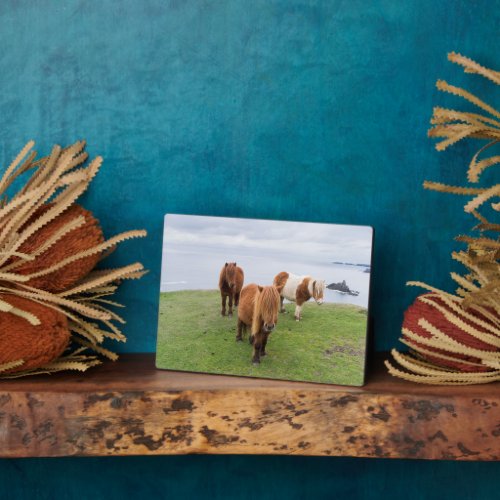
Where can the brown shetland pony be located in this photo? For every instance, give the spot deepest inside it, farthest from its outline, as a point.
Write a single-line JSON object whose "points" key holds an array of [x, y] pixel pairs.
{"points": [[230, 284], [259, 309]]}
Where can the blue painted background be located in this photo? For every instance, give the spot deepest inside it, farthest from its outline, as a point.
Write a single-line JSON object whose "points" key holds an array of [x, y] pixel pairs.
{"points": [[302, 110]]}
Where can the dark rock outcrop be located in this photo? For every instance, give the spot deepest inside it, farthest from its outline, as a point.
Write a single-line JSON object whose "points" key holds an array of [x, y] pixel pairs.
{"points": [[342, 287]]}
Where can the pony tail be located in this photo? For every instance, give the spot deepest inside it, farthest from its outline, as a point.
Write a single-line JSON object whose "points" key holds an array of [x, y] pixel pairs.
{"points": [[280, 281]]}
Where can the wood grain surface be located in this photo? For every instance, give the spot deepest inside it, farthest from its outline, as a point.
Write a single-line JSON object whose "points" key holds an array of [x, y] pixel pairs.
{"points": [[130, 408]]}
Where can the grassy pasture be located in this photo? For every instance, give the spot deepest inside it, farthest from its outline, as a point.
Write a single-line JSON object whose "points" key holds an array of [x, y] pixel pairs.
{"points": [[327, 345]]}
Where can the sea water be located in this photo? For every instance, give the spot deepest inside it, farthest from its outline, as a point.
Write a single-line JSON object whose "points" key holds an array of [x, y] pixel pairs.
{"points": [[191, 270]]}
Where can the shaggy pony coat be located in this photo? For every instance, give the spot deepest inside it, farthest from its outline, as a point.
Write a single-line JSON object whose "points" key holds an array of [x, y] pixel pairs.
{"points": [[259, 309], [298, 289], [231, 279]]}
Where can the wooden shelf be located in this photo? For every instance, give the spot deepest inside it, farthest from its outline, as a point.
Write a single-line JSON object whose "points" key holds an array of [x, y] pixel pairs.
{"points": [[130, 408]]}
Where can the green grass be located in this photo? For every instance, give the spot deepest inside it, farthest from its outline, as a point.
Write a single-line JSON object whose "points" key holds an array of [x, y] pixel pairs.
{"points": [[327, 345]]}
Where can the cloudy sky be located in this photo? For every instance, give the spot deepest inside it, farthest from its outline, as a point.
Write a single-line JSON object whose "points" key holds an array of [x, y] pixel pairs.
{"points": [[195, 248], [316, 243]]}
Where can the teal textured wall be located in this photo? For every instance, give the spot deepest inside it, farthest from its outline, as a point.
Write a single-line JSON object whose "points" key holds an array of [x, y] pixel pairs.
{"points": [[245, 478], [301, 110]]}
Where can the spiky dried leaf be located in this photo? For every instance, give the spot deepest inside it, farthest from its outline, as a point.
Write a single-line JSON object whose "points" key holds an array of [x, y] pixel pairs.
{"points": [[475, 309], [55, 182]]}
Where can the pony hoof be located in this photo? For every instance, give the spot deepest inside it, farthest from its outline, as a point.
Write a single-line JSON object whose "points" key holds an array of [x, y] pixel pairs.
{"points": [[230, 315], [239, 340], [297, 319], [255, 363]]}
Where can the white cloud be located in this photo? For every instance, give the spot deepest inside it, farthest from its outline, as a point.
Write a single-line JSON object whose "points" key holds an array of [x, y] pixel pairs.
{"points": [[309, 241]]}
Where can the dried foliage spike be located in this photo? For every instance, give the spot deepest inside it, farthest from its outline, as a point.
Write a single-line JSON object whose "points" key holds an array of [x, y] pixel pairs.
{"points": [[473, 67], [10, 365], [468, 352], [43, 234]]}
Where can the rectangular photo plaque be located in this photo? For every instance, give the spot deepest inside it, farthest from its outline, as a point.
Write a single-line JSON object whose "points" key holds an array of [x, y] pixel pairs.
{"points": [[261, 298]]}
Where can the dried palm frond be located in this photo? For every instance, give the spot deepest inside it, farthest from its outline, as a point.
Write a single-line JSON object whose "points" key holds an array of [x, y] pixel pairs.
{"points": [[473, 314], [48, 246]]}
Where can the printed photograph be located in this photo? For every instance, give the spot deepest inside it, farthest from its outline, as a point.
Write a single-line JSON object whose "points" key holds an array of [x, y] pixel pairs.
{"points": [[260, 298]]}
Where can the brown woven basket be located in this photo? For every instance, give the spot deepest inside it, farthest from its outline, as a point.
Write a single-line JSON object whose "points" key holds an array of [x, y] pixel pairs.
{"points": [[75, 241], [435, 317], [35, 345]]}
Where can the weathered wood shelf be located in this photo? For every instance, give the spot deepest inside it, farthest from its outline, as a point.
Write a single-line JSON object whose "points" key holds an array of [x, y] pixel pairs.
{"points": [[130, 408]]}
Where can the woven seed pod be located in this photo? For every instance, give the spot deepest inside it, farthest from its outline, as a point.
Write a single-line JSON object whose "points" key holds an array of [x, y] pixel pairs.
{"points": [[422, 310], [77, 240], [36, 345]]}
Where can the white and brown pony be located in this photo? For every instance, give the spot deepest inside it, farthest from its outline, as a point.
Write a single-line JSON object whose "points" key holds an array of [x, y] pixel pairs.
{"points": [[258, 309], [230, 284], [298, 289]]}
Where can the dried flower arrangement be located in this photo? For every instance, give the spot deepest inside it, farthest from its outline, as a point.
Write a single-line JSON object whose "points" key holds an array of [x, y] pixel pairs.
{"points": [[455, 339], [55, 311]]}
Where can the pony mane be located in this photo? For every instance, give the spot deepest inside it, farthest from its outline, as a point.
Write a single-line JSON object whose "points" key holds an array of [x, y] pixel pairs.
{"points": [[316, 287], [266, 303], [224, 270], [319, 286]]}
